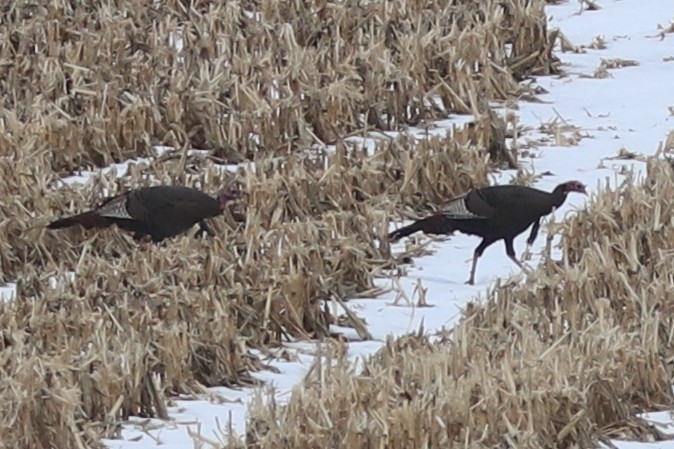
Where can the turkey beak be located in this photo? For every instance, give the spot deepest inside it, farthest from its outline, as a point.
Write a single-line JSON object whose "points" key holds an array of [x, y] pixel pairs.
{"points": [[236, 194], [582, 190]]}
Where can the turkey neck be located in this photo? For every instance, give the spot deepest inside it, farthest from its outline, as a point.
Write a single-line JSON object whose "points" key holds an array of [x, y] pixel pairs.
{"points": [[558, 196]]}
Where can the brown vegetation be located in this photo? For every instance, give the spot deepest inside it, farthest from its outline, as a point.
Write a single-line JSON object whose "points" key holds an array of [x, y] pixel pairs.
{"points": [[84, 85], [96, 84], [561, 360], [188, 309]]}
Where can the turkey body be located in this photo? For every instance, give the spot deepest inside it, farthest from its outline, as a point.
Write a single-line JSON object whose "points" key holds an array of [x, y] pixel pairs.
{"points": [[158, 212], [493, 213]]}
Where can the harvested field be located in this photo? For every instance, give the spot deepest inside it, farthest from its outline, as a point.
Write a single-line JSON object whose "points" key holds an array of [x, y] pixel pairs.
{"points": [[188, 310], [95, 84], [564, 359], [100, 330], [273, 94]]}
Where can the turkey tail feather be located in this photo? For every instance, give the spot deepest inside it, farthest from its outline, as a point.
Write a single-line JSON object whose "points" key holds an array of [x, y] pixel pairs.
{"points": [[62, 223], [87, 220], [435, 224], [404, 231]]}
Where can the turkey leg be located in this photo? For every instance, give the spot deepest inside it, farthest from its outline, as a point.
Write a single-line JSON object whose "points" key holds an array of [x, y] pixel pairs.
{"points": [[524, 268], [144, 241], [204, 229], [476, 255], [510, 251], [471, 279]]}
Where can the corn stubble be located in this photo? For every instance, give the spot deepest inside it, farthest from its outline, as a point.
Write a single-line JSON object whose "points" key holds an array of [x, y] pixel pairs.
{"points": [[138, 324], [563, 360], [106, 84], [84, 85]]}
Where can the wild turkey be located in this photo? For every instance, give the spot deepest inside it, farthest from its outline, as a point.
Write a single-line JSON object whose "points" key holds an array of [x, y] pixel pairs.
{"points": [[493, 213], [158, 212]]}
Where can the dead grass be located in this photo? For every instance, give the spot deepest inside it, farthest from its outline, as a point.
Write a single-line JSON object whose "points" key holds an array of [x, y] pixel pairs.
{"points": [[562, 360], [98, 85], [175, 316], [85, 85]]}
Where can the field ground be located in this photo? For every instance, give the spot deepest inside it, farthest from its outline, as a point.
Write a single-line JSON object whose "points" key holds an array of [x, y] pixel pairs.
{"points": [[602, 118], [577, 132]]}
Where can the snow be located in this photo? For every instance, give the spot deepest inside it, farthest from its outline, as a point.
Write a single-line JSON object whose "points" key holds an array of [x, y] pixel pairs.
{"points": [[627, 110], [7, 292], [208, 419]]}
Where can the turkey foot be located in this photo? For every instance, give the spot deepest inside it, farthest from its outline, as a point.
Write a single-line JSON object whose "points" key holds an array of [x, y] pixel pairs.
{"points": [[471, 279], [524, 268], [145, 242], [526, 255]]}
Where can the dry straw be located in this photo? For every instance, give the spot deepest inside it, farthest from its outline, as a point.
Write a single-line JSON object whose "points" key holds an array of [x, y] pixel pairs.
{"points": [[84, 85], [98, 84], [564, 359], [137, 324]]}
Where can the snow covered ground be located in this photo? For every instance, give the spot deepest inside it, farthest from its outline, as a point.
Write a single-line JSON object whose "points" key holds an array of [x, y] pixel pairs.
{"points": [[7, 292], [630, 110]]}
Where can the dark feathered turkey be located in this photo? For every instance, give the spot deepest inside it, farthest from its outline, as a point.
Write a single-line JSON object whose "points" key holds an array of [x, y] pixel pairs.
{"points": [[158, 212], [493, 213]]}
